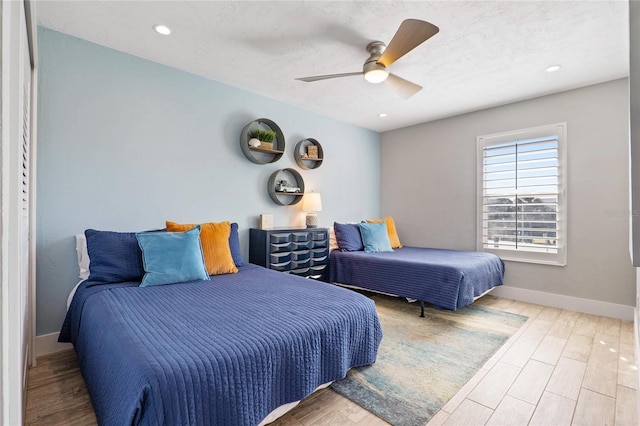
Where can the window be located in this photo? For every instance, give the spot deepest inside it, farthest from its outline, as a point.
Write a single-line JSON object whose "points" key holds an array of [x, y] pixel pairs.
{"points": [[522, 213]]}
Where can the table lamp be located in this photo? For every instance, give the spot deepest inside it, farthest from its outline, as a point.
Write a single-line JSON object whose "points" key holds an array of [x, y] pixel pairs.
{"points": [[311, 203]]}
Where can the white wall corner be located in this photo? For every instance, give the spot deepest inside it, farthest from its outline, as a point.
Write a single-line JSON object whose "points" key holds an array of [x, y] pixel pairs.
{"points": [[588, 306], [48, 344]]}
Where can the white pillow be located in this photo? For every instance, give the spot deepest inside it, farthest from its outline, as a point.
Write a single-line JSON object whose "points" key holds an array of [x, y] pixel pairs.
{"points": [[73, 292], [83, 256], [83, 264]]}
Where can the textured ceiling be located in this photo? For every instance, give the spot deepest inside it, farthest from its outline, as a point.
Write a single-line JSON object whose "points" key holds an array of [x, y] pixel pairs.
{"points": [[486, 53]]}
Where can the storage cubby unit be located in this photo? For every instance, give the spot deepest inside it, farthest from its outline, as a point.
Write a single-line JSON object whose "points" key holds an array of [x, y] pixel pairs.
{"points": [[281, 196], [307, 163], [262, 155], [297, 251]]}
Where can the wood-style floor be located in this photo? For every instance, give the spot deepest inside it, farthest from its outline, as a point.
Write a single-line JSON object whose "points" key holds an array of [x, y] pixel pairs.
{"points": [[560, 368]]}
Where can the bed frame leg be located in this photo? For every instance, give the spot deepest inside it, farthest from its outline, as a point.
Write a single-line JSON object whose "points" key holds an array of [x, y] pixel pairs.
{"points": [[421, 309]]}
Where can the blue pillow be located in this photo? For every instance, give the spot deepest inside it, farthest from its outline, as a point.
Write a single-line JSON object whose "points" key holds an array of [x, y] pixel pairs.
{"points": [[348, 236], [115, 257], [172, 257], [375, 237], [234, 245]]}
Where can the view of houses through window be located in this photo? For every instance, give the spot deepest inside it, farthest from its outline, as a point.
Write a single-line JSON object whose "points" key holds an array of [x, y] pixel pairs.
{"points": [[521, 200]]}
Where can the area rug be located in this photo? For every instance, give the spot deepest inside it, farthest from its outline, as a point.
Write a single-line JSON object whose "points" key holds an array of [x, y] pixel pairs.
{"points": [[423, 362]]}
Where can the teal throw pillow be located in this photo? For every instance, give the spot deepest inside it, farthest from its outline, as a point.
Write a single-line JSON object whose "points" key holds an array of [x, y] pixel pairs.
{"points": [[375, 237], [172, 257]]}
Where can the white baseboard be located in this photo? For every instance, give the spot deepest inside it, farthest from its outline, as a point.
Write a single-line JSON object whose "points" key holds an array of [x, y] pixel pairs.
{"points": [[636, 340], [588, 306], [48, 344]]}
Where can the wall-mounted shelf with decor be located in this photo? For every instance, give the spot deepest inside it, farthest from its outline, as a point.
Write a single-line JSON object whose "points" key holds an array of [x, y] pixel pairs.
{"points": [[263, 154], [283, 194], [308, 154]]}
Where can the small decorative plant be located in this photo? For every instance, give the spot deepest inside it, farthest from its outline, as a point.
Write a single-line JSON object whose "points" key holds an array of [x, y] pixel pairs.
{"points": [[262, 135]]}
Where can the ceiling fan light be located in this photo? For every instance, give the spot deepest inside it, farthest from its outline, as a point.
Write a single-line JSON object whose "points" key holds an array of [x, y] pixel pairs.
{"points": [[376, 75]]}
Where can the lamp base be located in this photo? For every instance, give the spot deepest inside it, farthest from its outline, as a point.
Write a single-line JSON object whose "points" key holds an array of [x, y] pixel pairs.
{"points": [[312, 220]]}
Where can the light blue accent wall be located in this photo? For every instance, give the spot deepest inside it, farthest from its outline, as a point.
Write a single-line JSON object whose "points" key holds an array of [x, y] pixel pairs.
{"points": [[125, 144]]}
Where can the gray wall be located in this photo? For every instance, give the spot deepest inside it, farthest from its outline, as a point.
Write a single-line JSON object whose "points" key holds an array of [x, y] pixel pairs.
{"points": [[125, 144], [428, 183], [634, 96], [634, 141]]}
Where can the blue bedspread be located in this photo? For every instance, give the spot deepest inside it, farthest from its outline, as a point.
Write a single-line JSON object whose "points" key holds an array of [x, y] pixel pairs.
{"points": [[221, 352], [446, 278]]}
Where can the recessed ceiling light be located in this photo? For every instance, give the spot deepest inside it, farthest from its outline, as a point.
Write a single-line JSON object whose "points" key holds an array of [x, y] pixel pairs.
{"points": [[553, 68], [162, 29], [382, 115]]}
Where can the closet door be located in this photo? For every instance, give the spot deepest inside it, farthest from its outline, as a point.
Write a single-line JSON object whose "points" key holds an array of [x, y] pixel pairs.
{"points": [[24, 185], [16, 126]]}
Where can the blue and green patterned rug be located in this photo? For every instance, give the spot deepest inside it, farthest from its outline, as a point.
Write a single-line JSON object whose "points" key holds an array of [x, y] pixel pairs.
{"points": [[423, 362]]}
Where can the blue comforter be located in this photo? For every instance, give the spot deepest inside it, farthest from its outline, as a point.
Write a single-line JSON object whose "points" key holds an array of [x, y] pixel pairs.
{"points": [[221, 352], [449, 279]]}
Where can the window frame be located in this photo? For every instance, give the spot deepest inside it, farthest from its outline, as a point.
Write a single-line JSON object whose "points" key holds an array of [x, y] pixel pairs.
{"points": [[560, 131]]}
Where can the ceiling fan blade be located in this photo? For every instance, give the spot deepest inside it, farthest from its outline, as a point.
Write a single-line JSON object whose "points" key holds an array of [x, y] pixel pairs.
{"points": [[328, 76], [411, 34], [403, 87]]}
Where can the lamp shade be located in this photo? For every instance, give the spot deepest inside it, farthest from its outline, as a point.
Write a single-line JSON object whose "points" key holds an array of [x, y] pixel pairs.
{"points": [[311, 202]]}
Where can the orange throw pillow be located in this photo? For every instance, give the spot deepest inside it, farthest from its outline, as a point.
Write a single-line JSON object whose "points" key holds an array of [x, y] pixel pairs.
{"points": [[214, 238], [391, 230]]}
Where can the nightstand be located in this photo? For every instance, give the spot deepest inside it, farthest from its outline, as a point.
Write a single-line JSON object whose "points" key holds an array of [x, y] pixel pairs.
{"points": [[299, 251]]}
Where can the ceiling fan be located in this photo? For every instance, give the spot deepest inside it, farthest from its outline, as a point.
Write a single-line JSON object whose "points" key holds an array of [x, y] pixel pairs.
{"points": [[411, 34]]}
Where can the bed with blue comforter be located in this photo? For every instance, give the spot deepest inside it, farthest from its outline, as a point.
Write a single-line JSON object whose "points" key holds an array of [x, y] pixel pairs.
{"points": [[221, 352], [449, 279]]}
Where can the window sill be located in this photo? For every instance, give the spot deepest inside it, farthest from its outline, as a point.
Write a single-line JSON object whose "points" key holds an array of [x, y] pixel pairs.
{"points": [[537, 261], [555, 259]]}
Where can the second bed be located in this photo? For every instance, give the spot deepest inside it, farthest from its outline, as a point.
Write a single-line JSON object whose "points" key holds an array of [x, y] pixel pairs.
{"points": [[449, 279]]}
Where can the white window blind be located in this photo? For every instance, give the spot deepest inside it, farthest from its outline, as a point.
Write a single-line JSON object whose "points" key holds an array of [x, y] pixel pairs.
{"points": [[521, 214]]}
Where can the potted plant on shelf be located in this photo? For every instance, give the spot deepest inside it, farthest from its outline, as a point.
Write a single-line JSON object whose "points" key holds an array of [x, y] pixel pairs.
{"points": [[261, 138]]}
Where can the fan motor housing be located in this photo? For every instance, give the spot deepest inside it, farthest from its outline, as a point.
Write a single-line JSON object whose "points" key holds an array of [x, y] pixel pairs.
{"points": [[375, 49]]}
